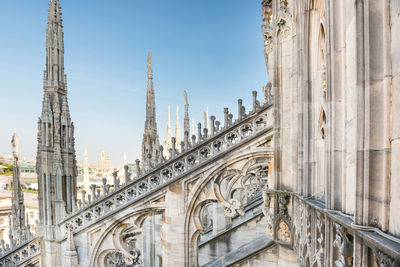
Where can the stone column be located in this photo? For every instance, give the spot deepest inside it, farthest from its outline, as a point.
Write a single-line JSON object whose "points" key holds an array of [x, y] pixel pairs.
{"points": [[148, 242], [173, 228], [394, 221]]}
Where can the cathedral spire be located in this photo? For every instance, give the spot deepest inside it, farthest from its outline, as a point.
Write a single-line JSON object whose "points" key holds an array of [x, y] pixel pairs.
{"points": [[19, 228], [150, 143], [56, 161], [54, 74], [150, 124]]}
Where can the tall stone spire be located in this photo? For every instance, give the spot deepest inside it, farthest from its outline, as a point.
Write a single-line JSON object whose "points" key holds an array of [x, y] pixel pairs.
{"points": [[19, 228], [186, 121], [56, 161], [150, 124], [177, 130], [150, 143], [54, 73]]}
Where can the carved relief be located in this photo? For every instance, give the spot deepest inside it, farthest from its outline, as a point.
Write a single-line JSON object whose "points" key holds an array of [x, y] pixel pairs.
{"points": [[383, 260], [268, 213], [283, 232], [230, 189], [320, 248], [284, 28], [267, 11], [278, 217], [344, 246], [307, 242], [284, 199], [127, 241], [284, 19], [234, 189], [267, 25], [268, 40], [284, 7], [267, 93]]}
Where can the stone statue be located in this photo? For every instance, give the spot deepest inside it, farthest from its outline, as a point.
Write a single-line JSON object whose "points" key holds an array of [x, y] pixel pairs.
{"points": [[149, 63], [186, 98], [15, 144]]}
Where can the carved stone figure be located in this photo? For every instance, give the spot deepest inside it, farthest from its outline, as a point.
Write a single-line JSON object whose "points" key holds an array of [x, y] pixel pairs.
{"points": [[284, 232], [15, 144], [383, 260], [344, 247]]}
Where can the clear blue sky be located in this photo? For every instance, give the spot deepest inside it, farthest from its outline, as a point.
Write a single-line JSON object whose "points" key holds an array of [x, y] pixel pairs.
{"points": [[211, 48]]}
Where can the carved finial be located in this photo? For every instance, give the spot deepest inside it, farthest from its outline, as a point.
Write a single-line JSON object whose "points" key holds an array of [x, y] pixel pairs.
{"points": [[267, 93], [70, 239], [161, 158], [212, 129], [240, 109], [217, 126], [226, 119], [256, 103], [186, 138], [127, 174], [137, 167], [174, 145], [199, 136], [71, 253]]}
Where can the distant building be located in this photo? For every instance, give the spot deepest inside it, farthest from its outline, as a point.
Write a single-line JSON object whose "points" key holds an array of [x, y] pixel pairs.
{"points": [[105, 162]]}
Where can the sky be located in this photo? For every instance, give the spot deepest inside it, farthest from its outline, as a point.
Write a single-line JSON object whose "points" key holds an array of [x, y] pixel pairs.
{"points": [[213, 49]]}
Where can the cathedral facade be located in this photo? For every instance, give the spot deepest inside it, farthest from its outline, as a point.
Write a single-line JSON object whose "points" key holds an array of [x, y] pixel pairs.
{"points": [[306, 176]]}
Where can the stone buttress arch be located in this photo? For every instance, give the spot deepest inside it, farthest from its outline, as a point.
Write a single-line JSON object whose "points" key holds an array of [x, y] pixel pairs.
{"points": [[98, 256], [192, 222]]}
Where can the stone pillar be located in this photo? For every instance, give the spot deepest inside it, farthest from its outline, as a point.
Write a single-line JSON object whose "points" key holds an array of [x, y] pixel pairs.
{"points": [[148, 242], [394, 221], [173, 228]]}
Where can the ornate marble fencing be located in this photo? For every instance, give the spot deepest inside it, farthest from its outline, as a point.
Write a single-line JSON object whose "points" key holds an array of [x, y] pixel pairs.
{"points": [[322, 237], [19, 254], [99, 204]]}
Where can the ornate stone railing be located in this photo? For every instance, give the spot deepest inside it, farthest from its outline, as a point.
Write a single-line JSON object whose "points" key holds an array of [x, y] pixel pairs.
{"points": [[20, 254], [307, 225], [209, 147]]}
